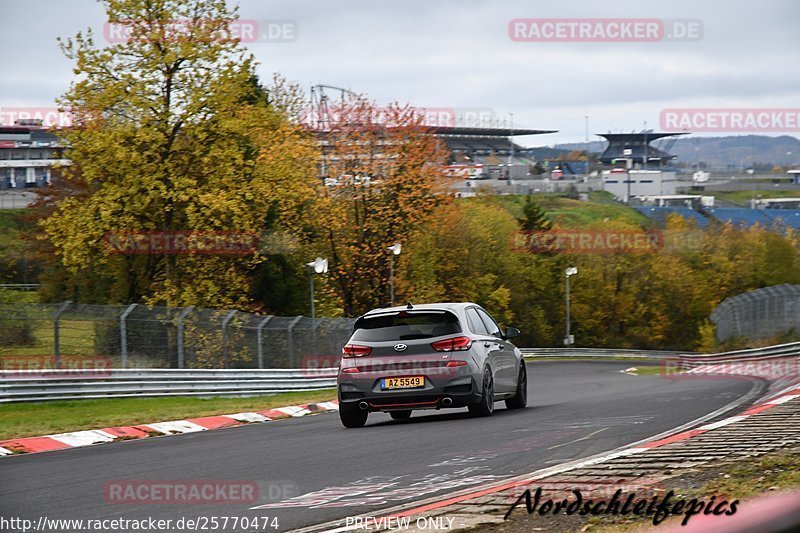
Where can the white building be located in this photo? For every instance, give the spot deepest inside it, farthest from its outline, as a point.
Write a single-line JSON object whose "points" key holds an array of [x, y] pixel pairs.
{"points": [[621, 183]]}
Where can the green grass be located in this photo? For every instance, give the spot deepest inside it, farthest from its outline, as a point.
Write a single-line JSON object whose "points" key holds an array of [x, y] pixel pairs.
{"points": [[568, 212], [743, 197], [33, 419]]}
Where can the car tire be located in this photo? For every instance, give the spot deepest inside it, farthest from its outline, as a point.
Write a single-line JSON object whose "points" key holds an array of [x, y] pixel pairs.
{"points": [[400, 415], [520, 399], [485, 407], [351, 416]]}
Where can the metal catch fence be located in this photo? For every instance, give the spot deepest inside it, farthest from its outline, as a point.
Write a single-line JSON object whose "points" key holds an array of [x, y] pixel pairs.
{"points": [[137, 336]]}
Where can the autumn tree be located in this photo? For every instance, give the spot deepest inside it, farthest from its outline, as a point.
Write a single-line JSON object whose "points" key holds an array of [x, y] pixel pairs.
{"points": [[384, 176], [174, 133]]}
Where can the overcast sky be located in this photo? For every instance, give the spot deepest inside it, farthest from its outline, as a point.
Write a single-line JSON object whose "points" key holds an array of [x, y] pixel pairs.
{"points": [[458, 54]]}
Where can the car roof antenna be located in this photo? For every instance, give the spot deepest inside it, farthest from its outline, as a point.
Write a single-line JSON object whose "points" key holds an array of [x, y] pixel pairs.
{"points": [[409, 306]]}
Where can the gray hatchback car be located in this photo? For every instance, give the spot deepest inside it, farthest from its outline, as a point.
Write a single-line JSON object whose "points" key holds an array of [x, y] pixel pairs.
{"points": [[429, 356]]}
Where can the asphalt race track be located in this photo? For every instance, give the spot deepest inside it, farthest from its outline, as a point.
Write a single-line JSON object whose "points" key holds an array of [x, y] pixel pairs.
{"points": [[575, 409]]}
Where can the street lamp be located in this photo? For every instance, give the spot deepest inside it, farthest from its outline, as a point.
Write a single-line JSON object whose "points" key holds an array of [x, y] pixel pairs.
{"points": [[395, 249], [317, 266], [571, 271]]}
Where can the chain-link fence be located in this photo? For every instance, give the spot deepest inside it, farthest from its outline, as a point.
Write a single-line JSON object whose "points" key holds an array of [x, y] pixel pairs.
{"points": [[759, 314], [136, 336]]}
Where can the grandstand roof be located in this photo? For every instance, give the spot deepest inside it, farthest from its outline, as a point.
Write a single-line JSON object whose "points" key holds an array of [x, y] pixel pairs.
{"points": [[486, 132], [639, 145]]}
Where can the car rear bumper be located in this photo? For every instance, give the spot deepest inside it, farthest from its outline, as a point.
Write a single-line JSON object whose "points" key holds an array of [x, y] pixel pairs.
{"points": [[459, 393]]}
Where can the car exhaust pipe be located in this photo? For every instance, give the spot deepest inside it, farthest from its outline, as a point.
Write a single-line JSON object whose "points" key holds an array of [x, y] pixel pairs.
{"points": [[363, 406], [447, 401]]}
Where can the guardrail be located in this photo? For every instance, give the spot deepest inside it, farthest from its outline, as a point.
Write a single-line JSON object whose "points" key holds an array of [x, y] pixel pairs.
{"points": [[72, 384], [594, 352], [26, 386], [768, 352]]}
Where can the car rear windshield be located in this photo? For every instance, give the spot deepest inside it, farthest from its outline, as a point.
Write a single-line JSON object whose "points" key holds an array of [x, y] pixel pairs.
{"points": [[405, 326]]}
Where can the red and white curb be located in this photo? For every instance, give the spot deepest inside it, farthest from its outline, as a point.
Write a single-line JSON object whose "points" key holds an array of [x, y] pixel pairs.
{"points": [[74, 439], [784, 396], [432, 504]]}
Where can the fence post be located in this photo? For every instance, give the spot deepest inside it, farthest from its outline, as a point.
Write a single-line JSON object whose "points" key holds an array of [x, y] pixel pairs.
{"points": [[225, 321], [259, 340], [291, 339], [181, 317], [123, 336], [56, 333]]}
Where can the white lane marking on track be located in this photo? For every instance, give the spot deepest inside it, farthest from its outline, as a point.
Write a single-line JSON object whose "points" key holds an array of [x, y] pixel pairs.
{"points": [[577, 440], [83, 438], [176, 426], [783, 399]]}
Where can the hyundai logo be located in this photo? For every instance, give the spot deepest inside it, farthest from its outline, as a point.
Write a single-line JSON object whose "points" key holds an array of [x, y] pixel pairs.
{"points": [[400, 347]]}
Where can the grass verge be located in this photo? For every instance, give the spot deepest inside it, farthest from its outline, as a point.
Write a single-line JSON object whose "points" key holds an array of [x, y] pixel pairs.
{"points": [[43, 418]]}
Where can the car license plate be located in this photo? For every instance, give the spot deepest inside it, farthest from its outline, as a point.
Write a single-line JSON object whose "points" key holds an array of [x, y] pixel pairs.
{"points": [[412, 382]]}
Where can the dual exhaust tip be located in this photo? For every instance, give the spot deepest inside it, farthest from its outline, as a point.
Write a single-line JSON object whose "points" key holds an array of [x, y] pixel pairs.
{"points": [[446, 402]]}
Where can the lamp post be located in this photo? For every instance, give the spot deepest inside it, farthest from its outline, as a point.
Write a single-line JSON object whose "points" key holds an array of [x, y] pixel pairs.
{"points": [[571, 271], [317, 266], [395, 249]]}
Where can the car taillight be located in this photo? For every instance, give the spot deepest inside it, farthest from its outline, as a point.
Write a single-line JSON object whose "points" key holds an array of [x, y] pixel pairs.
{"points": [[455, 344], [354, 350], [350, 370], [456, 363]]}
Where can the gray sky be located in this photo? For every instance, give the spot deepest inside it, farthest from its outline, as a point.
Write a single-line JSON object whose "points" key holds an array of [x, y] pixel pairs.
{"points": [[458, 54]]}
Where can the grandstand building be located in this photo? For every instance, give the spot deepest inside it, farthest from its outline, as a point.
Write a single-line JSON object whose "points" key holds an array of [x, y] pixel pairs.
{"points": [[28, 151], [638, 148], [491, 150]]}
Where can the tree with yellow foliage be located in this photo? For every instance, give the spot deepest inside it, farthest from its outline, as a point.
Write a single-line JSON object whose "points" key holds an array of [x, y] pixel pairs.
{"points": [[175, 134]]}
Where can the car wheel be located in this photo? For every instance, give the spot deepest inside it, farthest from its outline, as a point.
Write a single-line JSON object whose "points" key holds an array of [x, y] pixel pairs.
{"points": [[485, 407], [351, 416], [520, 399], [400, 415]]}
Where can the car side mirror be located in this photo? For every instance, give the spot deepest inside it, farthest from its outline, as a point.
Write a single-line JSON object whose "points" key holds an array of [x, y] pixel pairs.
{"points": [[511, 333]]}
